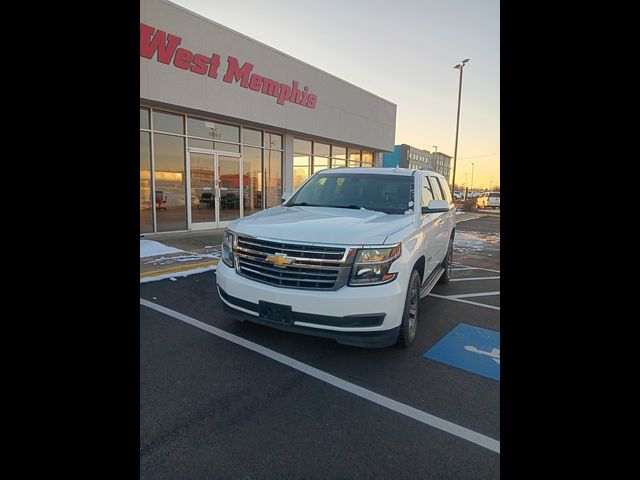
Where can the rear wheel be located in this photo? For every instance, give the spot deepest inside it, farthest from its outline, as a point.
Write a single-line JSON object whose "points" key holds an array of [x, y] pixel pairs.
{"points": [[409, 324]]}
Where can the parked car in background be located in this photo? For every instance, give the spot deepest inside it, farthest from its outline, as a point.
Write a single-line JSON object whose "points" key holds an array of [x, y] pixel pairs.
{"points": [[488, 200]]}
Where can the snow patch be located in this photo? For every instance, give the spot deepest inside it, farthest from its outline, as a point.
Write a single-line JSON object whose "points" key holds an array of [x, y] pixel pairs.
{"points": [[474, 241], [184, 258], [151, 248]]}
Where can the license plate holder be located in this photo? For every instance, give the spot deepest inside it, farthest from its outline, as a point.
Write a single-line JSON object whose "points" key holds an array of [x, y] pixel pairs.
{"points": [[275, 312]]}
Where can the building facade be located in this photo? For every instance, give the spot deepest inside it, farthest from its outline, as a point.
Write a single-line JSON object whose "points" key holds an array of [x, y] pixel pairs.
{"points": [[227, 124], [406, 156]]}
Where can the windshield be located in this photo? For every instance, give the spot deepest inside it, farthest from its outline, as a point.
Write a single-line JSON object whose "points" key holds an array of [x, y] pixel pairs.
{"points": [[385, 193], [494, 195]]}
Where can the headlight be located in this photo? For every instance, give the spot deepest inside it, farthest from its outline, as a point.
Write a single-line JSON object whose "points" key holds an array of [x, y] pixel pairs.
{"points": [[227, 248], [371, 266]]}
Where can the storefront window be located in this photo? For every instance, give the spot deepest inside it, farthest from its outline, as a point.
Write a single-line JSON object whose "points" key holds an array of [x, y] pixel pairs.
{"points": [[367, 158], [273, 177], [144, 117], [301, 169], [213, 130], [339, 153], [273, 140], [251, 137], [196, 142], [169, 195], [338, 162], [261, 164], [301, 146], [252, 181], [354, 158], [146, 219], [168, 122], [320, 163], [321, 149]]}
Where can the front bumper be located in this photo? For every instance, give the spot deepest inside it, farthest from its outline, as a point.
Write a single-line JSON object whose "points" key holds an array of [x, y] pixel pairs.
{"points": [[363, 316]]}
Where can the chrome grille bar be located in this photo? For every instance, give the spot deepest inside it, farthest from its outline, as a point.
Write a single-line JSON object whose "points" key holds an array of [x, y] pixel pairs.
{"points": [[315, 267]]}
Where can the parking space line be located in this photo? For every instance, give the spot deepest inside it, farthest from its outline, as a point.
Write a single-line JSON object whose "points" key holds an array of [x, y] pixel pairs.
{"points": [[473, 278], [464, 301], [477, 268], [465, 295], [422, 417]]}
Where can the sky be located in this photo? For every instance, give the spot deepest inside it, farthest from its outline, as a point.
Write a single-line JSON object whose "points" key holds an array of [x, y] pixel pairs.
{"points": [[403, 51]]}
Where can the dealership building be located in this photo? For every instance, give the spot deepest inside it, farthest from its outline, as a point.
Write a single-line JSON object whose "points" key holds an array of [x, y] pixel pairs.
{"points": [[227, 124]]}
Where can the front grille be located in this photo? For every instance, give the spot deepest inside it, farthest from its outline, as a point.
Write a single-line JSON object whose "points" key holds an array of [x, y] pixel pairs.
{"points": [[314, 267]]}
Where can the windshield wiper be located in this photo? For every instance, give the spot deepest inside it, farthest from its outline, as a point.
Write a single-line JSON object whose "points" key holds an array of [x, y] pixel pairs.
{"points": [[303, 204]]}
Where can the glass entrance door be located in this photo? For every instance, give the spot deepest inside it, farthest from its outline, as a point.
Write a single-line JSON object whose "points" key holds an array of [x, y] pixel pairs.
{"points": [[216, 188], [229, 188]]}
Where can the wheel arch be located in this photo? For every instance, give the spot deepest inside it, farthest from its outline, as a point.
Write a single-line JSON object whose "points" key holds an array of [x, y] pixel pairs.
{"points": [[420, 266]]}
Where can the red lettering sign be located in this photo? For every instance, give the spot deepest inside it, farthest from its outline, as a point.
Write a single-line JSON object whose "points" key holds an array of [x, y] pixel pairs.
{"points": [[164, 46]]}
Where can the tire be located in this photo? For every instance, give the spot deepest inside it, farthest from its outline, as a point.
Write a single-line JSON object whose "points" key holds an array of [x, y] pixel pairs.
{"points": [[447, 264], [409, 324]]}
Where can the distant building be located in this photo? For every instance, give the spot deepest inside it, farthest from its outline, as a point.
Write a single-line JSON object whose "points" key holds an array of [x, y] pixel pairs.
{"points": [[407, 156]]}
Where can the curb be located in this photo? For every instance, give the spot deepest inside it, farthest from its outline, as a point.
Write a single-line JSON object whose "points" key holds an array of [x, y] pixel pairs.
{"points": [[181, 268]]}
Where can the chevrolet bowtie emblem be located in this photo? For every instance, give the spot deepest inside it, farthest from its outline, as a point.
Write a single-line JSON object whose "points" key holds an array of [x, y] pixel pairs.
{"points": [[279, 259]]}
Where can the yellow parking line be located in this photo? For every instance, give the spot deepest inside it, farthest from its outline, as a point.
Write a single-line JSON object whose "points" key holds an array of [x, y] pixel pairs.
{"points": [[181, 268]]}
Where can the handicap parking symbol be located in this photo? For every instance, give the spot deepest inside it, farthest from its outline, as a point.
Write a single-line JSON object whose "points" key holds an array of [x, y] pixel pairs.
{"points": [[470, 348]]}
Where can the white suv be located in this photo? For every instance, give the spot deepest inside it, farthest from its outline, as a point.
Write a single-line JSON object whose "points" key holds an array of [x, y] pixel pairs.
{"points": [[489, 200], [348, 256]]}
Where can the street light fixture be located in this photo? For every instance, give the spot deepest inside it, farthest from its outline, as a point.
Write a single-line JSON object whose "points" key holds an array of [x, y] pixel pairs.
{"points": [[459, 66]]}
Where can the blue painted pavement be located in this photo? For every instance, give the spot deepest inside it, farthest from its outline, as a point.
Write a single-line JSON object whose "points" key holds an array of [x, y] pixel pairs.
{"points": [[470, 348]]}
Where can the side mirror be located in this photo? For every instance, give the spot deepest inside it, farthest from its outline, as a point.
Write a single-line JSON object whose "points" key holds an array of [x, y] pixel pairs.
{"points": [[285, 196], [436, 206]]}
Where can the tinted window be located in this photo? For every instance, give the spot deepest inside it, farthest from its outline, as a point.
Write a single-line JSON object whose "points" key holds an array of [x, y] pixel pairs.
{"points": [[386, 193], [435, 188], [427, 193], [494, 195], [445, 188]]}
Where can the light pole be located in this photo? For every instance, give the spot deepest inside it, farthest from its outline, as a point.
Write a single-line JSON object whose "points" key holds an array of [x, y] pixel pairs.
{"points": [[435, 161], [472, 165], [460, 66]]}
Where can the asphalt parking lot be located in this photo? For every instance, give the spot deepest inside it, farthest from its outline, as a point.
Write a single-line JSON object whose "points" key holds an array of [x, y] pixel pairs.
{"points": [[224, 399]]}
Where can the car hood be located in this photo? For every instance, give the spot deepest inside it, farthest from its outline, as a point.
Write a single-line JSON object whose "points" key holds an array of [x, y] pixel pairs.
{"points": [[321, 225]]}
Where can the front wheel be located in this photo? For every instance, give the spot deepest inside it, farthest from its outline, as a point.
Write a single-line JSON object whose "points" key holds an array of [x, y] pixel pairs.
{"points": [[409, 323]]}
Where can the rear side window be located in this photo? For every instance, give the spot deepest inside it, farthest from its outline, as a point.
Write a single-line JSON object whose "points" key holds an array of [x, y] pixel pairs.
{"points": [[435, 188], [445, 189], [427, 192]]}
